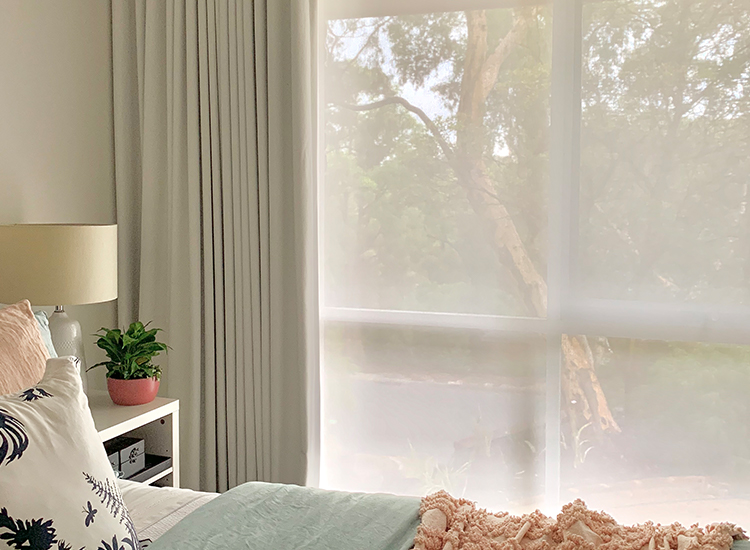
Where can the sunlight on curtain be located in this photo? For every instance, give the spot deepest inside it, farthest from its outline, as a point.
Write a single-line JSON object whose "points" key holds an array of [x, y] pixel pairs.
{"points": [[522, 310]]}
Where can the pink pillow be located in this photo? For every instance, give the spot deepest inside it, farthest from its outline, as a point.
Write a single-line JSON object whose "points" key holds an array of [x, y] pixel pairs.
{"points": [[23, 355]]}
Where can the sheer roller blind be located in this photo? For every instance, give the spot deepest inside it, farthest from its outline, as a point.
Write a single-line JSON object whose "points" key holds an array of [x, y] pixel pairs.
{"points": [[534, 253]]}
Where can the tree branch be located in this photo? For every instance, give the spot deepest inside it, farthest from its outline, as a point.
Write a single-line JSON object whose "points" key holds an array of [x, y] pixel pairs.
{"points": [[431, 126], [368, 41], [491, 66]]}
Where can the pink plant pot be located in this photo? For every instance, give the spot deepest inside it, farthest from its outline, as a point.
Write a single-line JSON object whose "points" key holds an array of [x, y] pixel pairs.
{"points": [[132, 392]]}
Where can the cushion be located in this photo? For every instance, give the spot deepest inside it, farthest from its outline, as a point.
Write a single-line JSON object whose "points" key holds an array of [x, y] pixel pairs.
{"points": [[57, 488], [23, 354], [43, 320]]}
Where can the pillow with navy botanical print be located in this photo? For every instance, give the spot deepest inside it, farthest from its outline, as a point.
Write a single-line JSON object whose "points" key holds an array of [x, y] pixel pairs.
{"points": [[57, 489]]}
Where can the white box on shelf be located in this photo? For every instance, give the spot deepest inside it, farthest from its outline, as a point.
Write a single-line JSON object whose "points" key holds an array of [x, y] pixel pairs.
{"points": [[157, 423]]}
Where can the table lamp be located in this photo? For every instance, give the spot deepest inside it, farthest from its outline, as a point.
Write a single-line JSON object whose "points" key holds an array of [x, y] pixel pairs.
{"points": [[58, 265]]}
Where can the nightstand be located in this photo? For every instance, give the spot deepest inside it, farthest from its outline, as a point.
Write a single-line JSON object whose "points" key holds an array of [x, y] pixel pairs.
{"points": [[157, 423]]}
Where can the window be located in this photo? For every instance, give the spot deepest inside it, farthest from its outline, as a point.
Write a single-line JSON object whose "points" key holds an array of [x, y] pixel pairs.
{"points": [[535, 253]]}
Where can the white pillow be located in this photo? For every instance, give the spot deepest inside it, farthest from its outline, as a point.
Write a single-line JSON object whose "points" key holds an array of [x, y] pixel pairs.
{"points": [[57, 488]]}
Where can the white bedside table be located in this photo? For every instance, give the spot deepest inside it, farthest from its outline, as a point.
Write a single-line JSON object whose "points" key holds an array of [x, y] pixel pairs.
{"points": [[157, 423]]}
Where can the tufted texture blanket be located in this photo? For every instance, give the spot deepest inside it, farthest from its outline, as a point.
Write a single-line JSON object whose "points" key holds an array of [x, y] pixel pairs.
{"points": [[457, 524]]}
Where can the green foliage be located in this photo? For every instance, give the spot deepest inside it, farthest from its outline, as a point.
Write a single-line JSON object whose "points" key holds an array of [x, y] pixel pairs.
{"points": [[434, 476], [662, 202], [679, 403], [665, 146], [400, 231], [665, 149], [130, 353]]}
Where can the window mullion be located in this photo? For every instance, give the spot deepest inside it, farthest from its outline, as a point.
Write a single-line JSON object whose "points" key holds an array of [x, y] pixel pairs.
{"points": [[563, 219]]}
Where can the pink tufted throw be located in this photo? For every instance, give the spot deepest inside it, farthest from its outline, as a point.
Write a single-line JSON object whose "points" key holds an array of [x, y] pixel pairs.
{"points": [[23, 355], [457, 524]]}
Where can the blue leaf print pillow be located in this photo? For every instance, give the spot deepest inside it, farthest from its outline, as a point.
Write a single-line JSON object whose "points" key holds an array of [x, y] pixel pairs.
{"points": [[57, 489]]}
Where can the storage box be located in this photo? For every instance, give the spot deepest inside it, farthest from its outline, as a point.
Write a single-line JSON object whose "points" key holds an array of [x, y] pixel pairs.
{"points": [[131, 452], [114, 461]]}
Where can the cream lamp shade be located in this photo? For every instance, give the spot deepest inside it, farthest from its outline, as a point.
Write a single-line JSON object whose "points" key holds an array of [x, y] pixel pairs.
{"points": [[58, 264]]}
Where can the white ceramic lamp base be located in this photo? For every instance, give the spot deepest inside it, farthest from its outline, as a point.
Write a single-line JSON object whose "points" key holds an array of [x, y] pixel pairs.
{"points": [[68, 339]]}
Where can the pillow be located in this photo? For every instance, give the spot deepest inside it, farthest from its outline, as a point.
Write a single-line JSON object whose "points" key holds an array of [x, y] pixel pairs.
{"points": [[22, 351], [57, 488], [43, 320]]}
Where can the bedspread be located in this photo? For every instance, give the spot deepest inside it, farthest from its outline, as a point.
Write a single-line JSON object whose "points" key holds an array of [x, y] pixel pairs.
{"points": [[286, 517], [266, 516]]}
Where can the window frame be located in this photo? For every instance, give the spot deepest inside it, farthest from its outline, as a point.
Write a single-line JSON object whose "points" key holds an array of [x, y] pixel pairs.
{"points": [[567, 312]]}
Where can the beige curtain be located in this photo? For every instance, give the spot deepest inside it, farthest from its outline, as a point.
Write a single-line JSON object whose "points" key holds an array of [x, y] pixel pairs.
{"points": [[214, 164]]}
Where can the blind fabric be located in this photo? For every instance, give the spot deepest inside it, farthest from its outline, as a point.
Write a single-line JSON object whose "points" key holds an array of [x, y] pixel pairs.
{"points": [[534, 253]]}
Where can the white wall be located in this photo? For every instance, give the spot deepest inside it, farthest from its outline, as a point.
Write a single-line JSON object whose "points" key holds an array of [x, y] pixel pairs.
{"points": [[56, 144]]}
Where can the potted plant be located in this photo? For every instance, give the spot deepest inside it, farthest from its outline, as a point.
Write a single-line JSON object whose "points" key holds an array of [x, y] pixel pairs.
{"points": [[132, 379]]}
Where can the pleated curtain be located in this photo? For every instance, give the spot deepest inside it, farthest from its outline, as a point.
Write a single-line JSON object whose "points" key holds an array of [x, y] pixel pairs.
{"points": [[213, 114]]}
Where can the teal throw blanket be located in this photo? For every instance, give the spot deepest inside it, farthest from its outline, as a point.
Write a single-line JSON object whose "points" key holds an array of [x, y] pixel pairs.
{"points": [[267, 516]]}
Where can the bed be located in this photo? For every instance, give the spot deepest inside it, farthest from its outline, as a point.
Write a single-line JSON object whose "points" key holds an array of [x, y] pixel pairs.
{"points": [[58, 491], [286, 517], [258, 515], [155, 510]]}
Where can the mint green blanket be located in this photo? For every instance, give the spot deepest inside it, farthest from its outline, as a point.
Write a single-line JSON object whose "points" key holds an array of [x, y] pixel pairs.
{"points": [[287, 517]]}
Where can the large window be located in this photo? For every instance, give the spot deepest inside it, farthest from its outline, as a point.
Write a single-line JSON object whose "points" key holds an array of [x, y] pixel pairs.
{"points": [[535, 253]]}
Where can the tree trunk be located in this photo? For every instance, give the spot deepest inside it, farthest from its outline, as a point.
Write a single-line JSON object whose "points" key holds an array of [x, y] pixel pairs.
{"points": [[582, 391]]}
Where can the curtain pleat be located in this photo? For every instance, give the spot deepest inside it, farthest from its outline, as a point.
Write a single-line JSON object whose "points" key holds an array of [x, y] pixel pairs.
{"points": [[212, 235], [245, 281], [193, 432], [262, 367], [209, 468], [252, 219]]}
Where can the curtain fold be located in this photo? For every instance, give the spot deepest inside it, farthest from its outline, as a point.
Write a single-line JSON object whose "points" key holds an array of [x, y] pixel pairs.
{"points": [[215, 203]]}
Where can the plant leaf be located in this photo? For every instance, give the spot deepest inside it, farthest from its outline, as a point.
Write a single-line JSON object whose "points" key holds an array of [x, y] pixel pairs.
{"points": [[130, 353]]}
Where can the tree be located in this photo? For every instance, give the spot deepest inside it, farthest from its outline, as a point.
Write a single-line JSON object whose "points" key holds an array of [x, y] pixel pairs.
{"points": [[479, 61], [437, 119]]}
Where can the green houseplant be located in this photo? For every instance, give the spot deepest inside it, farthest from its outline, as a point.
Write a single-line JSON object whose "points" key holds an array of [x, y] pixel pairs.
{"points": [[132, 378]]}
